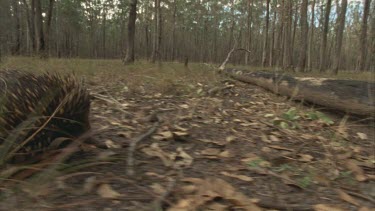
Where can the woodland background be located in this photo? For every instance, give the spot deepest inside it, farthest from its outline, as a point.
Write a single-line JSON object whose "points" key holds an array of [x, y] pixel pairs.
{"points": [[298, 34]]}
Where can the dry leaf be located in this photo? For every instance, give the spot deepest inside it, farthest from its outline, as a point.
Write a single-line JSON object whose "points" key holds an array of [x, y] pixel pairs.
{"points": [[210, 151], [326, 207], [111, 144], [274, 138], [226, 154], [240, 177], [106, 191], [305, 158], [362, 136], [230, 138], [346, 197], [158, 189], [357, 171]]}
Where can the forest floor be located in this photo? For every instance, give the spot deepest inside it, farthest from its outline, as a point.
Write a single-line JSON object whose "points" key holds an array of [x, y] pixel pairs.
{"points": [[189, 139]]}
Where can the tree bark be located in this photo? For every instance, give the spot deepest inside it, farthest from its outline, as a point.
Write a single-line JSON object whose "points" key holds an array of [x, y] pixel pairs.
{"points": [[157, 33], [323, 48], [130, 51], [39, 28], [265, 43], [17, 29], [248, 37], [304, 34], [363, 37], [287, 59], [339, 34], [48, 26], [311, 38]]}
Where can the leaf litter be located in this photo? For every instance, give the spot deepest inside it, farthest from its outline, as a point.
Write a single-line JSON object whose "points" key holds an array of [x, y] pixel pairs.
{"points": [[233, 147]]}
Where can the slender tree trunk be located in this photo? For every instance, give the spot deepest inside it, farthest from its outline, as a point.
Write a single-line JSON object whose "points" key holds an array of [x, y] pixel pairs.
{"points": [[287, 60], [371, 64], [39, 28], [323, 47], [265, 43], [48, 26], [339, 34], [130, 51], [272, 44], [248, 37], [157, 34], [174, 30], [34, 33], [363, 38], [17, 29], [304, 34], [311, 38]]}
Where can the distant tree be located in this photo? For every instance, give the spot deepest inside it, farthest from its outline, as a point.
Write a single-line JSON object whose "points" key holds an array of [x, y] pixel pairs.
{"points": [[363, 37], [39, 28], [129, 58], [157, 33], [265, 42], [339, 33], [304, 34], [311, 37], [323, 46], [17, 28]]}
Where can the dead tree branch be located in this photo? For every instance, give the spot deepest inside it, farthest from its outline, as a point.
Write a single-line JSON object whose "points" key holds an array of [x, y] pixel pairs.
{"points": [[222, 66]]}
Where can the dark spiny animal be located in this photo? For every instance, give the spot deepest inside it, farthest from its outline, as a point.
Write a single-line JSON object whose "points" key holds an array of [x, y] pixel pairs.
{"points": [[37, 109]]}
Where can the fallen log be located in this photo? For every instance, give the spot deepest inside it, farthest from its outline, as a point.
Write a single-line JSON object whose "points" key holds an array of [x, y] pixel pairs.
{"points": [[350, 96]]}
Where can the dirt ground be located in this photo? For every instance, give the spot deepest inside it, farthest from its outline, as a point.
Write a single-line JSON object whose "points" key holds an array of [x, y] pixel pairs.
{"points": [[232, 146]]}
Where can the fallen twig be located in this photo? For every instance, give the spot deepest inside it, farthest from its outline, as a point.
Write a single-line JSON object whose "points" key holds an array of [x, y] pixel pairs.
{"points": [[133, 145]]}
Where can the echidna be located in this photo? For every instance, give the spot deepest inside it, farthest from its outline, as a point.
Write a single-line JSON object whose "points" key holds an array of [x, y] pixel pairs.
{"points": [[37, 109]]}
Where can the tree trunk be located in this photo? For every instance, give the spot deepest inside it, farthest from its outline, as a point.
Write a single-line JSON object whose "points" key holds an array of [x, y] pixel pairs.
{"points": [[157, 33], [129, 58], [174, 30], [311, 38], [17, 29], [363, 38], [287, 60], [48, 26], [248, 37], [265, 43], [323, 48], [304, 34], [39, 28], [339, 34]]}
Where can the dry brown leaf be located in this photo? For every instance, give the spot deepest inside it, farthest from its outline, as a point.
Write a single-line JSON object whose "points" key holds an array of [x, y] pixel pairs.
{"points": [[357, 171], [158, 189], [226, 154], [210, 151], [326, 207], [305, 157], [362, 136], [229, 139], [346, 197], [154, 150], [240, 177], [180, 134], [182, 159], [220, 143], [111, 144], [106, 191], [208, 190], [274, 138]]}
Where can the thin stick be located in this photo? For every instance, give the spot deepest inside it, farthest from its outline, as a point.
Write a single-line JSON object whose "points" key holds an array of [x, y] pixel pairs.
{"points": [[133, 145]]}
